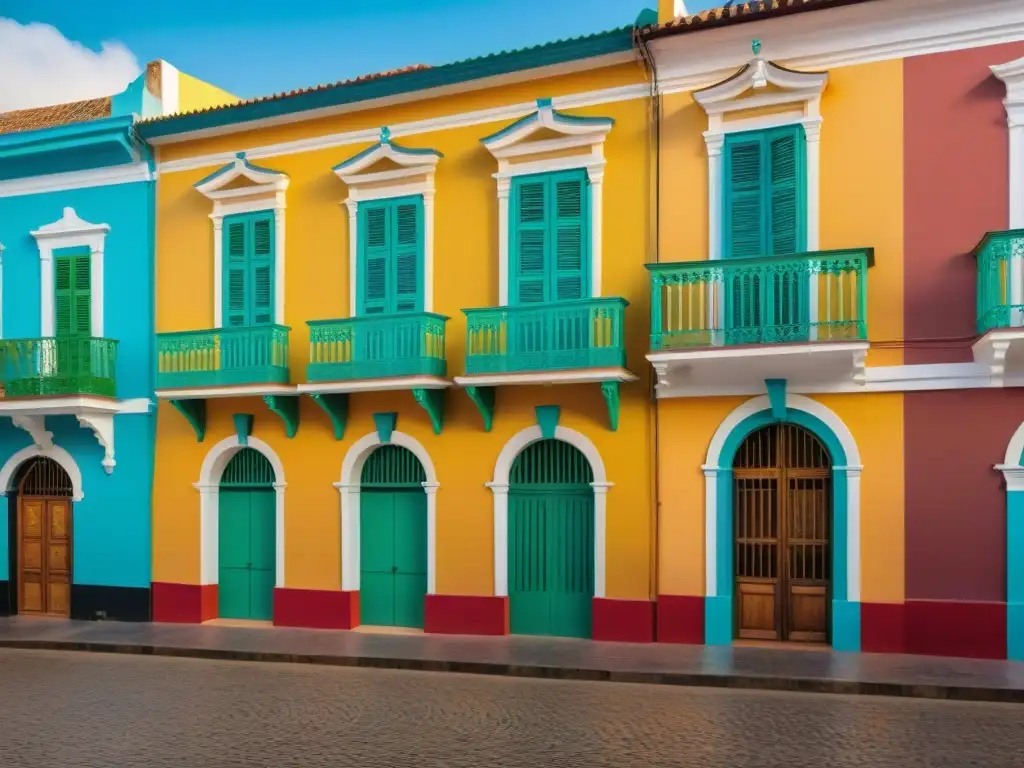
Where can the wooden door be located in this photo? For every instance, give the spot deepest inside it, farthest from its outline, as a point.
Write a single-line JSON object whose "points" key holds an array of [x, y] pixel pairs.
{"points": [[246, 554], [393, 557], [782, 517], [44, 556]]}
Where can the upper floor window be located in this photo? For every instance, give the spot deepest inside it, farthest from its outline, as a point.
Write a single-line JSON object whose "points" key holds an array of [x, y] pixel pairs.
{"points": [[391, 249], [550, 237], [72, 292], [248, 283], [765, 193]]}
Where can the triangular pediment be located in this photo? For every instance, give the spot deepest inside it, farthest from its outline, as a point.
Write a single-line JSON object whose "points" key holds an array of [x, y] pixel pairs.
{"points": [[547, 124], [387, 157], [241, 174], [761, 80]]}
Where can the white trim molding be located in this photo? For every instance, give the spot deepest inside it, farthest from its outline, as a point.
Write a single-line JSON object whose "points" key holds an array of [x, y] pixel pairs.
{"points": [[265, 191], [62, 182], [349, 497], [586, 134], [209, 506], [70, 231], [54, 452], [852, 470], [1012, 75], [500, 485], [414, 176], [798, 97]]}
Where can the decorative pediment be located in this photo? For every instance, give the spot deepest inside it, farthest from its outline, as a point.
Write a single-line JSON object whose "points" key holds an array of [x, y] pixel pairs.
{"points": [[395, 160], [241, 178], [571, 130], [68, 226], [761, 83]]}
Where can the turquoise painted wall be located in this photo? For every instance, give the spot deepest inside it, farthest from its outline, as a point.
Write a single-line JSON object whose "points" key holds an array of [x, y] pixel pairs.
{"points": [[112, 522]]}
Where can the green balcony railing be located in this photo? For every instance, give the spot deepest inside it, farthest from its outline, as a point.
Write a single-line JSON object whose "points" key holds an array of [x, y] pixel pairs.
{"points": [[223, 357], [377, 346], [815, 296], [1000, 280], [584, 333], [52, 367]]}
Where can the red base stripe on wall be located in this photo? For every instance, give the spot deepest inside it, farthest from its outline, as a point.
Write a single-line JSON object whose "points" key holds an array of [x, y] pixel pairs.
{"points": [[882, 628], [948, 628], [466, 615], [680, 619], [626, 621], [184, 603], [316, 608]]}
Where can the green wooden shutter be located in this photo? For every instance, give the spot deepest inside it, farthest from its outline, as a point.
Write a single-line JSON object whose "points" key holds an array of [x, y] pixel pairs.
{"points": [[785, 153], [570, 232], [73, 295], [261, 266], [530, 239], [374, 247], [407, 255], [236, 268], [744, 206]]}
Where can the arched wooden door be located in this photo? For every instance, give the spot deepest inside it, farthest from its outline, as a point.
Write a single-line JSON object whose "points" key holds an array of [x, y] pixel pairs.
{"points": [[392, 539], [782, 520], [551, 541], [247, 538], [44, 538]]}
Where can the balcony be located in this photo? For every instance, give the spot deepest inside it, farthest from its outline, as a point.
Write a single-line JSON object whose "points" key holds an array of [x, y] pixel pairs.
{"points": [[727, 326], [567, 342], [222, 358], [51, 367], [1000, 303]]}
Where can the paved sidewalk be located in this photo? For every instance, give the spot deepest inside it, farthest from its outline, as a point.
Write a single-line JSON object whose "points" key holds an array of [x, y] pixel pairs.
{"points": [[813, 670]]}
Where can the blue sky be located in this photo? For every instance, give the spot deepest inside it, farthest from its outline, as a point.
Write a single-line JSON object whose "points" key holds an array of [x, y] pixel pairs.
{"points": [[253, 47]]}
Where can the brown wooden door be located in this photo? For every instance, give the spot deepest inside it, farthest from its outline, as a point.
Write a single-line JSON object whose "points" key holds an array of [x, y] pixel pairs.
{"points": [[44, 556], [782, 512]]}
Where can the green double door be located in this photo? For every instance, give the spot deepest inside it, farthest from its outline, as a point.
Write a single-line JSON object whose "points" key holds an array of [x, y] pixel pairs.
{"points": [[551, 560], [246, 547], [392, 556]]}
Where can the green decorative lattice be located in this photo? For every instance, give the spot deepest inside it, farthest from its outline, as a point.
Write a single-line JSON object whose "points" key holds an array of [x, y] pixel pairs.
{"points": [[248, 469], [551, 463], [223, 357], [392, 466], [1001, 280], [59, 366]]}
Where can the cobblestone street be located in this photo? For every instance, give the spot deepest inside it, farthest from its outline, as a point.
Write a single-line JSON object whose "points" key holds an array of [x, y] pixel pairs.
{"points": [[69, 710]]}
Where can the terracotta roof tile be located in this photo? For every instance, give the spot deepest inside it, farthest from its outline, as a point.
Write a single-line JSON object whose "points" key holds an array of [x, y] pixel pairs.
{"points": [[58, 114], [741, 12]]}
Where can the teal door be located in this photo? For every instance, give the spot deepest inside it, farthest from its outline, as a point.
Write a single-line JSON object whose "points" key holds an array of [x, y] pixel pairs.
{"points": [[392, 539], [247, 538], [551, 541]]}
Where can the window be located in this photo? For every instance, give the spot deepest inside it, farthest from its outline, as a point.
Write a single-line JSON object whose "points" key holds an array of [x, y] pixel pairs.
{"points": [[72, 293], [764, 205], [249, 269], [390, 256], [550, 237]]}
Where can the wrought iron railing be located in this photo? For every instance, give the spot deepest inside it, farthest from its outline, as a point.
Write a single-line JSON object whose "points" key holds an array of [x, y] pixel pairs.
{"points": [[221, 357], [566, 335], [52, 367], [1000, 280], [377, 346], [816, 296]]}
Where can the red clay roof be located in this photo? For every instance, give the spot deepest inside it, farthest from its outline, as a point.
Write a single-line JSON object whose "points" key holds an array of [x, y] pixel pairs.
{"points": [[742, 12], [58, 114], [297, 92]]}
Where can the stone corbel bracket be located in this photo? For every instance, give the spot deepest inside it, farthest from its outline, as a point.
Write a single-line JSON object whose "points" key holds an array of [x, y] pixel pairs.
{"points": [[102, 426], [36, 428]]}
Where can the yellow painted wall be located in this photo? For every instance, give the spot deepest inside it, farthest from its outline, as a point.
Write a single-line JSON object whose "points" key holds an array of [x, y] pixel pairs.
{"points": [[194, 93], [466, 275]]}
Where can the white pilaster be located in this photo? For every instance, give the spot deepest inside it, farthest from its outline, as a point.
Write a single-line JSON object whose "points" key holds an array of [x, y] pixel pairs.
{"points": [[500, 491]]}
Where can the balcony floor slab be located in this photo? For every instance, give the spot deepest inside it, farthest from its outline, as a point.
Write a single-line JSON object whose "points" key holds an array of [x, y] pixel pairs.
{"points": [[1000, 352], [580, 376], [384, 384], [242, 390]]}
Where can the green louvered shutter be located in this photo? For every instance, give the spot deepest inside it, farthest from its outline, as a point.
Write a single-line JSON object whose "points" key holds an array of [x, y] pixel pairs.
{"points": [[73, 295], [374, 243], [744, 206], [261, 266], [785, 153], [569, 234], [408, 255], [236, 277], [530, 239]]}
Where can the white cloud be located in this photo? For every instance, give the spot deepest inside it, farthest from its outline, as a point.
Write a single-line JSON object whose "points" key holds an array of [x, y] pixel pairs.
{"points": [[41, 67]]}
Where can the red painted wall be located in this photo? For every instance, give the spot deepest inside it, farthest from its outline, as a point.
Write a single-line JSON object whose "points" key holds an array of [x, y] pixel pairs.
{"points": [[955, 500], [956, 188]]}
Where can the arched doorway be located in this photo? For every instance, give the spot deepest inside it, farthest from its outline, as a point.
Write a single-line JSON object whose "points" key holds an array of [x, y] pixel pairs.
{"points": [[551, 541], [782, 519], [43, 532], [392, 539], [246, 536]]}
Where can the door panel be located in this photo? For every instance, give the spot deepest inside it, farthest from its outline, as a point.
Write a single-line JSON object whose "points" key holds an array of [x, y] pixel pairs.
{"points": [[263, 553], [233, 553], [376, 558], [58, 561], [410, 557], [44, 571], [757, 611]]}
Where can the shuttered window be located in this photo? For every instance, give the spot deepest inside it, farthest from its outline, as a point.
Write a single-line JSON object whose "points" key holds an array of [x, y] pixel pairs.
{"points": [[390, 278], [249, 269], [550, 237], [764, 203], [72, 293]]}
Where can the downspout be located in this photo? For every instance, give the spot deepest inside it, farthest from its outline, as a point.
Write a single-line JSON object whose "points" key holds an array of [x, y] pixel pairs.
{"points": [[653, 241]]}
